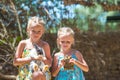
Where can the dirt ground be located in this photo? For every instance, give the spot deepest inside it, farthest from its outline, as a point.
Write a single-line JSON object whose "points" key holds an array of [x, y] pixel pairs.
{"points": [[100, 50]]}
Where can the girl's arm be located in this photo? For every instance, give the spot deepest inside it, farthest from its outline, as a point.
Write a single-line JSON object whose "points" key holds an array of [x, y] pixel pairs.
{"points": [[81, 63], [18, 60], [48, 59], [55, 66]]}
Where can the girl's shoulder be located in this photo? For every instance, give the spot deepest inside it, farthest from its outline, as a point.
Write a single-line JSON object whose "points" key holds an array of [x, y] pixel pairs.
{"points": [[78, 54], [23, 42], [74, 51], [44, 43], [57, 54]]}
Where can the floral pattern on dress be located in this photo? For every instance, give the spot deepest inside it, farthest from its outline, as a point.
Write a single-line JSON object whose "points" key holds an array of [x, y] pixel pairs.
{"points": [[24, 71]]}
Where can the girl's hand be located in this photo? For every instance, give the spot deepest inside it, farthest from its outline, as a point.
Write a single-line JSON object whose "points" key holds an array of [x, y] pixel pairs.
{"points": [[72, 60], [62, 63], [39, 57]]}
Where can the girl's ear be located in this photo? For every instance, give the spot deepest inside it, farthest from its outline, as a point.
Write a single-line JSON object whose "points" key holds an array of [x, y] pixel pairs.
{"points": [[43, 30], [73, 41], [28, 30], [58, 42]]}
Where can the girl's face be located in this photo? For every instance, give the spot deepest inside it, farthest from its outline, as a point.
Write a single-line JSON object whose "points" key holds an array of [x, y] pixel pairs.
{"points": [[35, 33], [65, 42]]}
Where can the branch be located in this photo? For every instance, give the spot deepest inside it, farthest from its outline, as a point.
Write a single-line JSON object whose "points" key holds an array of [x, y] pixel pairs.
{"points": [[8, 77], [18, 21]]}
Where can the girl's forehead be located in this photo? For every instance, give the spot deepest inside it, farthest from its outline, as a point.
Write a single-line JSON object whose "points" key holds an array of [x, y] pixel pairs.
{"points": [[36, 27], [65, 37]]}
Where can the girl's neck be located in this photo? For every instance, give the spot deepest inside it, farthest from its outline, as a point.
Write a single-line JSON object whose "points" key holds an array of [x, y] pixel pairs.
{"points": [[66, 51], [35, 42]]}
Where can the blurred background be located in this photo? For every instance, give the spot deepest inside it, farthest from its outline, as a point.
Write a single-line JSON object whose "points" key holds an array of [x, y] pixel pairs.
{"points": [[96, 24]]}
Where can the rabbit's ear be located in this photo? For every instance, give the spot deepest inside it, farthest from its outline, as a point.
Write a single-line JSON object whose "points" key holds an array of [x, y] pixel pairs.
{"points": [[38, 49]]}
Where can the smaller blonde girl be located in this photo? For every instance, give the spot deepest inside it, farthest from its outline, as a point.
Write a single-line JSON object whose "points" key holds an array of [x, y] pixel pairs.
{"points": [[68, 63]]}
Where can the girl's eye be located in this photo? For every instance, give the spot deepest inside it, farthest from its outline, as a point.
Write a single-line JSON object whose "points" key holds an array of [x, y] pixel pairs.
{"points": [[33, 31], [68, 42], [36, 32], [62, 41]]}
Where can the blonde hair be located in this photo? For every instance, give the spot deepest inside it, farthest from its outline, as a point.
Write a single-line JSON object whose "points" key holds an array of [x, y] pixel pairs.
{"points": [[35, 21], [64, 31]]}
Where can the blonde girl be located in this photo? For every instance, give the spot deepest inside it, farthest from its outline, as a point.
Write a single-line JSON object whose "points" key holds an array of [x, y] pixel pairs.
{"points": [[32, 52], [68, 63]]}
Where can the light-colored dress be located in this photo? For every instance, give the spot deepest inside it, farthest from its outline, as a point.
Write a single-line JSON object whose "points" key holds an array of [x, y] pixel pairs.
{"points": [[25, 71], [74, 74]]}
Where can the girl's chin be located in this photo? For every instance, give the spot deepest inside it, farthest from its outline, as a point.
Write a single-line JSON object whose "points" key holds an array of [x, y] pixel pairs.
{"points": [[65, 49], [36, 40]]}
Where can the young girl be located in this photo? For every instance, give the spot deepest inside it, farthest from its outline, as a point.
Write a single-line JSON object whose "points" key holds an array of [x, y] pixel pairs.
{"points": [[33, 52], [68, 63]]}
